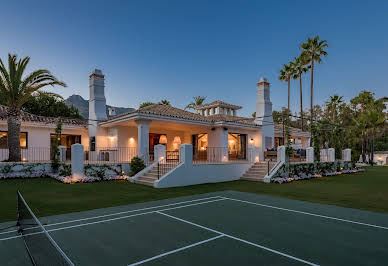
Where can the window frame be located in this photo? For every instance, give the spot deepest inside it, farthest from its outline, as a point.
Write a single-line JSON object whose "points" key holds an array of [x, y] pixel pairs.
{"points": [[21, 132]]}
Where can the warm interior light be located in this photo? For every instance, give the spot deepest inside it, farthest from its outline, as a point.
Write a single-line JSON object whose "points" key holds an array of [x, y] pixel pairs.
{"points": [[256, 159], [131, 140], [163, 139], [177, 140], [231, 141], [202, 148]]}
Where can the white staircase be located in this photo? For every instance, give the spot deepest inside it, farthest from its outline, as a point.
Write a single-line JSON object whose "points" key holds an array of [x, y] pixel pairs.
{"points": [[258, 171], [151, 176]]}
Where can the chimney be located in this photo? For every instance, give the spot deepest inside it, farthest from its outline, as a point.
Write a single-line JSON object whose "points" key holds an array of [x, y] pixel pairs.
{"points": [[111, 111], [97, 101], [263, 103]]}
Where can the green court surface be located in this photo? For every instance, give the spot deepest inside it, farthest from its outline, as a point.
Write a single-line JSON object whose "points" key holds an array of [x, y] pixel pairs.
{"points": [[222, 228]]}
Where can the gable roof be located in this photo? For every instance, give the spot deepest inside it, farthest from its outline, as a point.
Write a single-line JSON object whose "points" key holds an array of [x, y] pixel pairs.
{"points": [[27, 117]]}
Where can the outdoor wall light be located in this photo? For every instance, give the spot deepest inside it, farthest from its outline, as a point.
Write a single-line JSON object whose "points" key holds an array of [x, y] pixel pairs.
{"points": [[252, 141]]}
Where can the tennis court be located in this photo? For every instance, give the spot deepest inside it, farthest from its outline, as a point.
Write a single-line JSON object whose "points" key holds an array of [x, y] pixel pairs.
{"points": [[223, 228]]}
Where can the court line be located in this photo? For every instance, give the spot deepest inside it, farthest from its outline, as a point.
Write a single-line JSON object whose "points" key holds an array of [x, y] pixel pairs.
{"points": [[112, 214], [176, 250], [308, 213], [112, 219], [238, 239]]}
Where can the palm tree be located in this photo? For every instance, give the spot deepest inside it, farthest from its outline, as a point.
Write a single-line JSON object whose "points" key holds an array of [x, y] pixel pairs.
{"points": [[285, 75], [314, 48], [165, 102], [145, 104], [16, 91], [198, 100], [333, 105], [300, 67]]}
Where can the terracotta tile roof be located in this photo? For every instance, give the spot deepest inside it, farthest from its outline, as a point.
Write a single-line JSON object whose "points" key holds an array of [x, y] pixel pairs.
{"points": [[27, 117], [170, 111], [218, 103]]}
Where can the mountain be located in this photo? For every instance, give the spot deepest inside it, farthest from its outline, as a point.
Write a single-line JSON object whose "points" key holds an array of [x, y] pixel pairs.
{"points": [[83, 106]]}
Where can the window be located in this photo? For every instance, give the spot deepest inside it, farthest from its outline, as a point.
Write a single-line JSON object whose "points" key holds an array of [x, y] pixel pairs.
{"points": [[4, 140]]}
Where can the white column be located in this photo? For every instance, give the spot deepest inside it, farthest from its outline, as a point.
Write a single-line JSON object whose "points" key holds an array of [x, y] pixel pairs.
{"points": [[331, 155], [281, 154], [310, 155], [159, 152], [77, 161], [143, 126]]}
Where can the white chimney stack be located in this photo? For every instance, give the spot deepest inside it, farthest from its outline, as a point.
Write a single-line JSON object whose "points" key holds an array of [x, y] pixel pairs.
{"points": [[263, 103], [97, 101], [264, 115]]}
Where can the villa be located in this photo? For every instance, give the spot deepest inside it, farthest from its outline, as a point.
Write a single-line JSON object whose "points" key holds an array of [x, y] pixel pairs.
{"points": [[214, 126], [215, 131]]}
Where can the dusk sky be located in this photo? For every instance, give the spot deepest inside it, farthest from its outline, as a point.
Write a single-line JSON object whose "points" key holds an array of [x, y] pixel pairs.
{"points": [[153, 50]]}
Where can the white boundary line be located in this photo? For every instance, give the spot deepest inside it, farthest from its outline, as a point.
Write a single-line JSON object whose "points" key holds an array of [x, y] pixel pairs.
{"points": [[239, 239], [308, 213], [112, 214], [176, 250], [112, 219]]}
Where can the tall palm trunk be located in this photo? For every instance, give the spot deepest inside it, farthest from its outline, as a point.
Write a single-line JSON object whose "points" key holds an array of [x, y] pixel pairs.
{"points": [[312, 89], [13, 119], [301, 98], [288, 106], [311, 99]]}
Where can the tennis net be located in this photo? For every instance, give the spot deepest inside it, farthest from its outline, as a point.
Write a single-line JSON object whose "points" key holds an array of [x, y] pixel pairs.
{"points": [[41, 247]]}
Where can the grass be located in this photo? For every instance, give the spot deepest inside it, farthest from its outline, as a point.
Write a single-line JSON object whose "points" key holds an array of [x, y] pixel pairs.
{"points": [[367, 190]]}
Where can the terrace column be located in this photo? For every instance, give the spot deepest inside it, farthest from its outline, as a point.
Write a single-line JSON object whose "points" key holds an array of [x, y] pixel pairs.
{"points": [[143, 126], [218, 144]]}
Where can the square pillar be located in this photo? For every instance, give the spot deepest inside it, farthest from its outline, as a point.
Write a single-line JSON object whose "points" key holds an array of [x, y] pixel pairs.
{"points": [[331, 155], [160, 152], [323, 155], [281, 154], [347, 155], [186, 154], [143, 126], [77, 161]]}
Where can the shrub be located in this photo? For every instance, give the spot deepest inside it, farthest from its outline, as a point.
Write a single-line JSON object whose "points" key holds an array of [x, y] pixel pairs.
{"points": [[137, 164]]}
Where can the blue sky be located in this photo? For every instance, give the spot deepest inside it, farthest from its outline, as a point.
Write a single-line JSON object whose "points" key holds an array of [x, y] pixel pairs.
{"points": [[151, 50]]}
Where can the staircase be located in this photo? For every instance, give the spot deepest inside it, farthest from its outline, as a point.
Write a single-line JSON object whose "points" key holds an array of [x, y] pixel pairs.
{"points": [[151, 176], [258, 171]]}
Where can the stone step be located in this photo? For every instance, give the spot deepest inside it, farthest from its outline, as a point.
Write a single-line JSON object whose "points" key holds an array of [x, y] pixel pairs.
{"points": [[148, 178], [257, 179], [252, 176], [144, 182]]}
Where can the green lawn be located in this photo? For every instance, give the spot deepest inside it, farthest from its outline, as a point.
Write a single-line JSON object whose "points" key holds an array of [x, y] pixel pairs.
{"points": [[368, 190]]}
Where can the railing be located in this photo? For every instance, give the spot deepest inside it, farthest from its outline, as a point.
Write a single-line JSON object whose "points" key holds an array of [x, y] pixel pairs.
{"points": [[269, 168], [172, 156], [110, 155], [31, 154], [164, 166], [211, 155]]}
